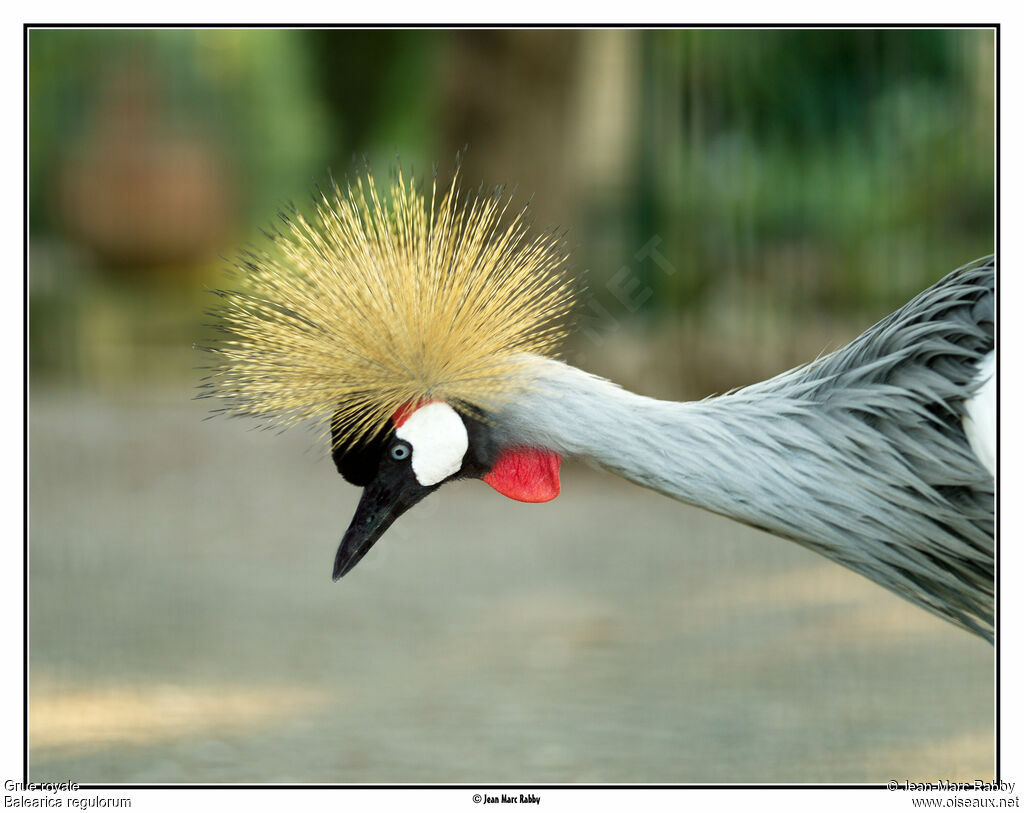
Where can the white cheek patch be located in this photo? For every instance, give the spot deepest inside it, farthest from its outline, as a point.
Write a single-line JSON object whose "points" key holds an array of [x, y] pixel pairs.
{"points": [[439, 442]]}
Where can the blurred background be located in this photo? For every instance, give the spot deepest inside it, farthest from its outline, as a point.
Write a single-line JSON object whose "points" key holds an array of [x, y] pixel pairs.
{"points": [[740, 200]]}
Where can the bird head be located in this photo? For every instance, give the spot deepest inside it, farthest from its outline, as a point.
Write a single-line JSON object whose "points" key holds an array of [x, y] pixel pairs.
{"points": [[398, 321], [421, 450]]}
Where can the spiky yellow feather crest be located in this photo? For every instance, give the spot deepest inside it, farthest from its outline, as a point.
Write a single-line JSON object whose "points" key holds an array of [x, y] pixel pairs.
{"points": [[389, 299]]}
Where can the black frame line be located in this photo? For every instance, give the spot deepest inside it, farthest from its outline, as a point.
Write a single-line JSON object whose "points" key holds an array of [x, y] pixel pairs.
{"points": [[995, 27]]}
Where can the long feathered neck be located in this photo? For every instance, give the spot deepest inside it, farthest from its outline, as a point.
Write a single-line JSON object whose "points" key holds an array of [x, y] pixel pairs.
{"points": [[723, 454], [779, 457]]}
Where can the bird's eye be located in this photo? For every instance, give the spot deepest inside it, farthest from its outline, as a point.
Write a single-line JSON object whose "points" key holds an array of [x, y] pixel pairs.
{"points": [[400, 451]]}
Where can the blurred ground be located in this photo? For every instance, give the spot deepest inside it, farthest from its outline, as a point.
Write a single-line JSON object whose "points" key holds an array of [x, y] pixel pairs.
{"points": [[184, 628]]}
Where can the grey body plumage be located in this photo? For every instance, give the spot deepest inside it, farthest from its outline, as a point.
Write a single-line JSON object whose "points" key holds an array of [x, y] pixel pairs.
{"points": [[860, 455]]}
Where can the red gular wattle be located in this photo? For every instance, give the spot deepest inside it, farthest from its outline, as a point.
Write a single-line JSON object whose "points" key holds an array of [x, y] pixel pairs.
{"points": [[527, 475]]}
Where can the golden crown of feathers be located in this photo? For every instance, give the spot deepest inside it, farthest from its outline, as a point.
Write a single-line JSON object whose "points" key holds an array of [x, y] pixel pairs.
{"points": [[385, 300]]}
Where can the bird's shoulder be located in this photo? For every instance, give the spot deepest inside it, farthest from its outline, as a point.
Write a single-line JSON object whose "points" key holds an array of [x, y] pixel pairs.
{"points": [[941, 335]]}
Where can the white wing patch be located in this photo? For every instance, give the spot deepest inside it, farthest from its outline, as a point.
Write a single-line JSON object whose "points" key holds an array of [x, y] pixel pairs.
{"points": [[980, 420], [439, 442]]}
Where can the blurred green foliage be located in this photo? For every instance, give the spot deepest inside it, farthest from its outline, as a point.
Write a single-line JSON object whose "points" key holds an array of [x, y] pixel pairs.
{"points": [[248, 92], [780, 171], [380, 91], [869, 153]]}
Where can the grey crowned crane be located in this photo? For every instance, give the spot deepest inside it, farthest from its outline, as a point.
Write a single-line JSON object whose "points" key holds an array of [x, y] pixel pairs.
{"points": [[417, 328]]}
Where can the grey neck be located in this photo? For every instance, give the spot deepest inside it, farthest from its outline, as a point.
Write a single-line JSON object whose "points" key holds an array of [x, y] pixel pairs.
{"points": [[719, 454], [782, 458]]}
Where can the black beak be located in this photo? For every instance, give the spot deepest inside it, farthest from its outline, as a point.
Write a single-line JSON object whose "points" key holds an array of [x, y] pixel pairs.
{"points": [[381, 504]]}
